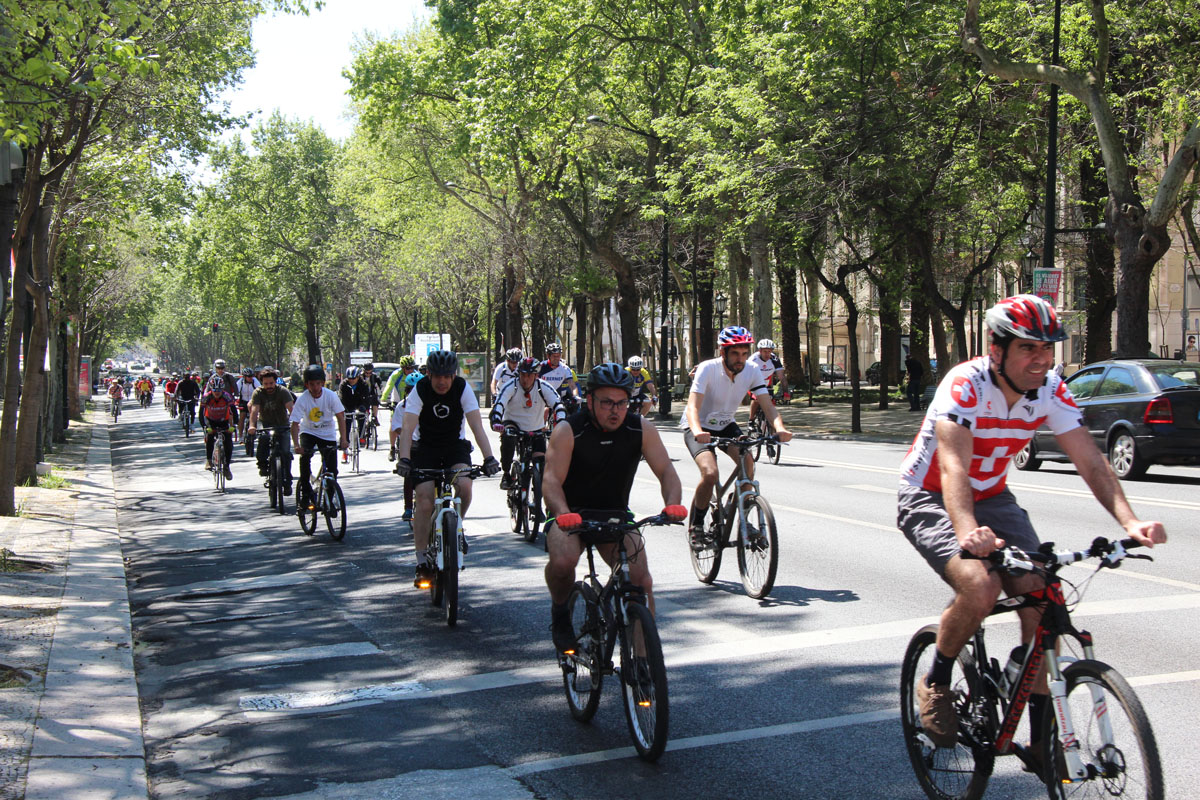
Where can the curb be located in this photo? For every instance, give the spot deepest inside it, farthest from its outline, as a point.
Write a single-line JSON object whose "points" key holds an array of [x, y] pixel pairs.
{"points": [[87, 740]]}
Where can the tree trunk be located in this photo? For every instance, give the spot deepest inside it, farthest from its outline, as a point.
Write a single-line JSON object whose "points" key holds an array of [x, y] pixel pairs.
{"points": [[812, 326], [537, 324], [581, 331], [33, 386], [852, 367], [1140, 245], [789, 319], [937, 327], [705, 340], [308, 307], [764, 296], [918, 328], [889, 341], [739, 285], [1101, 266], [8, 216], [74, 401]]}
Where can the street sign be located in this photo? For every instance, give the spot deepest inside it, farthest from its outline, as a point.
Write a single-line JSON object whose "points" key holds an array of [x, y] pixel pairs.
{"points": [[361, 356], [426, 343]]}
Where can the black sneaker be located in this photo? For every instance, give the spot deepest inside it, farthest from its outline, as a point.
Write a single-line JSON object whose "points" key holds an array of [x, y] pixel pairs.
{"points": [[287, 490], [424, 576], [563, 636], [506, 483], [228, 474], [701, 538]]}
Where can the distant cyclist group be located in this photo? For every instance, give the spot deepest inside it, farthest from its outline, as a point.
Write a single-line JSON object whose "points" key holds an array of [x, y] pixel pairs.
{"points": [[568, 458]]}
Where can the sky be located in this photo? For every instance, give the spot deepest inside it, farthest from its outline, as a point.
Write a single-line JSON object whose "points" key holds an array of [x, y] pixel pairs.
{"points": [[300, 59]]}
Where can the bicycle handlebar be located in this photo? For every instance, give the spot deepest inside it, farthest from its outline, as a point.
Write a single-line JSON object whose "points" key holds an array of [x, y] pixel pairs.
{"points": [[742, 441], [1016, 561], [448, 475], [617, 525]]}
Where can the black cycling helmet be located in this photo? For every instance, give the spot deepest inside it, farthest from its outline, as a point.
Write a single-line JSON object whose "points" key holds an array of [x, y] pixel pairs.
{"points": [[610, 374], [513, 354], [368, 367], [553, 347], [442, 362], [219, 363], [528, 365], [314, 372], [247, 372]]}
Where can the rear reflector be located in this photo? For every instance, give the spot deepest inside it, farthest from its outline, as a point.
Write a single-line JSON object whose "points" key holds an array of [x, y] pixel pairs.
{"points": [[1159, 411]]}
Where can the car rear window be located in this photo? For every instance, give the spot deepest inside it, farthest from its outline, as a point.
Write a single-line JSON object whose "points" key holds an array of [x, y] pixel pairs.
{"points": [[1176, 375]]}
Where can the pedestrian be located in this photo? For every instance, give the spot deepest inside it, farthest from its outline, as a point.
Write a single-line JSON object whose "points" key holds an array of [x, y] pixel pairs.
{"points": [[915, 373]]}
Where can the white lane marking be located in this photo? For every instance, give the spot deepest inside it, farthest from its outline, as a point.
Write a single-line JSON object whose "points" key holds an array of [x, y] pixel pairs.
{"points": [[233, 585], [334, 697], [867, 487], [767, 731], [1141, 576], [272, 658], [747, 648]]}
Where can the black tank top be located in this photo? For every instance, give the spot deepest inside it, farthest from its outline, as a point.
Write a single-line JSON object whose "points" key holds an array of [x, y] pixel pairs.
{"points": [[441, 417], [600, 476]]}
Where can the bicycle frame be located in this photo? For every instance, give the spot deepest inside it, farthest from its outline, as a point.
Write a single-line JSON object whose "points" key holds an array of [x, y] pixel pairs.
{"points": [[444, 502], [746, 488]]}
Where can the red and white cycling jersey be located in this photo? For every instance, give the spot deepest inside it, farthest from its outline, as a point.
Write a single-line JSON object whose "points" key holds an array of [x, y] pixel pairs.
{"points": [[969, 395]]}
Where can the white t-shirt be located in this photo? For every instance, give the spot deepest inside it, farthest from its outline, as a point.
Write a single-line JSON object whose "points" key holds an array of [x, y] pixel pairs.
{"points": [[245, 389], [722, 395], [970, 396], [502, 373], [557, 376], [318, 416], [527, 409], [413, 405], [768, 368]]}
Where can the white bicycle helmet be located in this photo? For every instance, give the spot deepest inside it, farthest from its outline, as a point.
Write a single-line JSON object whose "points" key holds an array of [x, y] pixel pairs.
{"points": [[766, 344], [635, 362]]}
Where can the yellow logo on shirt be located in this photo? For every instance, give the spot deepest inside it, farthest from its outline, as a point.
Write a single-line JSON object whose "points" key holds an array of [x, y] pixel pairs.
{"points": [[315, 415]]}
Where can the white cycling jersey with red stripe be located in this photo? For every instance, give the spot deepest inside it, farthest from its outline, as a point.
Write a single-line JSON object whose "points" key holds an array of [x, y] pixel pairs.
{"points": [[970, 395]]}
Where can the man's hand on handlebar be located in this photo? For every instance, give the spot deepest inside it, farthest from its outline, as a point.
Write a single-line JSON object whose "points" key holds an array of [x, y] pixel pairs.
{"points": [[675, 513], [566, 522], [703, 437], [1146, 533], [980, 542]]}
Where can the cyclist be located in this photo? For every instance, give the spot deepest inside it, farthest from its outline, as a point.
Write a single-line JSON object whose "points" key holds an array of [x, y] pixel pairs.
{"points": [[644, 392], [436, 410], [116, 390], [953, 497], [169, 387], [506, 370], [187, 392], [272, 404], [717, 390], [523, 404], [217, 406], [143, 387], [313, 415], [394, 431], [357, 394], [230, 382], [395, 388], [560, 377], [590, 464], [243, 389], [771, 368]]}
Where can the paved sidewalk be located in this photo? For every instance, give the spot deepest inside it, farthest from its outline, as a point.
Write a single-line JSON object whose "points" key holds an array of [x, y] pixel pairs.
{"points": [[76, 731]]}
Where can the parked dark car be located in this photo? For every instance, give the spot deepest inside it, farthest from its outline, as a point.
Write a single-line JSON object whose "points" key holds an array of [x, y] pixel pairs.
{"points": [[1140, 411], [873, 373], [832, 373]]}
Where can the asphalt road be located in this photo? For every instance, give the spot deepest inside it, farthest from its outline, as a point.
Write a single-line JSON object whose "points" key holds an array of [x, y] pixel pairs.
{"points": [[274, 664]]}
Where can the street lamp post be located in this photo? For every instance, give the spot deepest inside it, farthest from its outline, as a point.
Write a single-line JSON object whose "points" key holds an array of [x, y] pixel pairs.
{"points": [[1052, 151], [1029, 263], [720, 303], [569, 323]]}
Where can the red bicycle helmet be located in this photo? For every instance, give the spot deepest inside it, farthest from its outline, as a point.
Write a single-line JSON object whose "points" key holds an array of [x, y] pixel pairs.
{"points": [[734, 335], [1025, 316]]}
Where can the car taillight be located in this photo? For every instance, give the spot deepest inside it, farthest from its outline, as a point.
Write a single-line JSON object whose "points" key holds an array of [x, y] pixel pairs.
{"points": [[1159, 411]]}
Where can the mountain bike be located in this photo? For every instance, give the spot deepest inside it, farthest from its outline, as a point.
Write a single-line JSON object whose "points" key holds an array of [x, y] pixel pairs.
{"points": [[169, 404], [759, 429], [326, 501], [355, 432], [1096, 740], [278, 464], [525, 493], [602, 617], [144, 399], [447, 542], [114, 406], [757, 539], [218, 459], [185, 414]]}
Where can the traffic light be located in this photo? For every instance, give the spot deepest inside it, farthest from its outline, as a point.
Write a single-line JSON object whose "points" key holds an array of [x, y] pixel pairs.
{"points": [[216, 327]]}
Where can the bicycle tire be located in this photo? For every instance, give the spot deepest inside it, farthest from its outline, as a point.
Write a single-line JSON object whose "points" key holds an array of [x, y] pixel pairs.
{"points": [[373, 437], [308, 516], [774, 451], [757, 428], [644, 683], [218, 462], [516, 509], [583, 672], [449, 574], [961, 772], [436, 587], [535, 502], [758, 558], [273, 483], [335, 507], [354, 451], [706, 562], [1134, 770]]}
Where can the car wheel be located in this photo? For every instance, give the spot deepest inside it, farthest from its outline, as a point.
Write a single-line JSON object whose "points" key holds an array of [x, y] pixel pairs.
{"points": [[1027, 459], [1124, 458]]}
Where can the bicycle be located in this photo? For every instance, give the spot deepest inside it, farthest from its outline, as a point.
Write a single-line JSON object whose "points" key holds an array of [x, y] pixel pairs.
{"points": [[759, 429], [602, 616], [169, 404], [525, 494], [243, 426], [115, 407], [185, 414], [277, 462], [218, 459], [355, 433], [328, 501], [144, 399], [757, 540], [447, 542], [1096, 754]]}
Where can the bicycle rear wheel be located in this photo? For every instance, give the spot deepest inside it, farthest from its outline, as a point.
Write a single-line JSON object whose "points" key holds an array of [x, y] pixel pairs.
{"points": [[1116, 741], [774, 451], [947, 773], [583, 672], [758, 549], [706, 556], [449, 574], [335, 511], [644, 682], [757, 428]]}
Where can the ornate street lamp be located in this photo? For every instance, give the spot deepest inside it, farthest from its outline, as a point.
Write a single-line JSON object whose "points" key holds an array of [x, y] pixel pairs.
{"points": [[720, 303]]}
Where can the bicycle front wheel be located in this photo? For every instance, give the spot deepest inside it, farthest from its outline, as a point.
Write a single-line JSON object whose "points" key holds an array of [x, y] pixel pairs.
{"points": [[449, 575], [354, 451], [644, 682], [583, 671], [1116, 742], [774, 451], [947, 773], [758, 548], [532, 523], [307, 508], [218, 466], [335, 511]]}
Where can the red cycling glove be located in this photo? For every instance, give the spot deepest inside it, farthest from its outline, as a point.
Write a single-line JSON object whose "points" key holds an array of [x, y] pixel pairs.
{"points": [[567, 521], [675, 513]]}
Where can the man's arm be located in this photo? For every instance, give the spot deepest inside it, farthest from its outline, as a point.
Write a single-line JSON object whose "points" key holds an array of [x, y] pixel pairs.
{"points": [[475, 423], [252, 425], [1105, 485], [343, 442], [558, 459], [406, 433], [660, 464], [955, 445], [692, 414]]}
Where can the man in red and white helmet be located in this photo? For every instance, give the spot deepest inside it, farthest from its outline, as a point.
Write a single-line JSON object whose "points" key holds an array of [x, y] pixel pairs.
{"points": [[953, 496], [717, 390]]}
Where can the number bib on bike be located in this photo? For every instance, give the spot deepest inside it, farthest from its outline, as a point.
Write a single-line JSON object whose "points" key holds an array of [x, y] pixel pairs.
{"points": [[602, 467]]}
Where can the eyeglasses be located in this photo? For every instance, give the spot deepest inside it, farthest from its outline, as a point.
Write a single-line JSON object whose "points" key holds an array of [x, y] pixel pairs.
{"points": [[614, 405]]}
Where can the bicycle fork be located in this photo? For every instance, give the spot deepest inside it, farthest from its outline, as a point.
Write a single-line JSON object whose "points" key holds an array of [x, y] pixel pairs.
{"points": [[435, 535]]}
